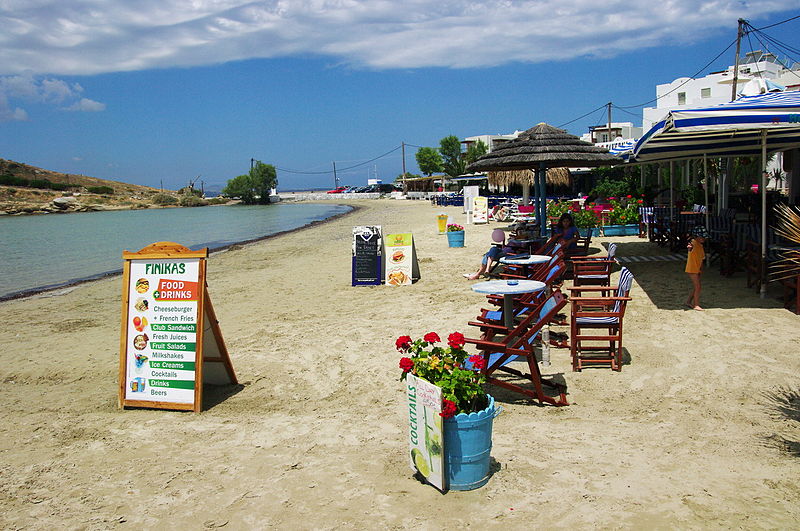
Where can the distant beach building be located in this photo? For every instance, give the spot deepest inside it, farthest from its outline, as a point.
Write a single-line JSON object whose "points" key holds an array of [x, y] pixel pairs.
{"points": [[618, 137], [715, 88], [491, 141]]}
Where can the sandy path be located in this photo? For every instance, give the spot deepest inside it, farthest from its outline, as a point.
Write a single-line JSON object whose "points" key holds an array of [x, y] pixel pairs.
{"points": [[687, 435]]}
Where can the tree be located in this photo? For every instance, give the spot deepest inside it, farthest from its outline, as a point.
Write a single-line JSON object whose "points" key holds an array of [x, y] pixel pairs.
{"points": [[253, 187], [476, 150], [429, 160], [452, 162]]}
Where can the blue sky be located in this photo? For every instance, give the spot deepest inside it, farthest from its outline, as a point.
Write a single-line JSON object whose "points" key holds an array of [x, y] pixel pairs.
{"points": [[151, 90]]}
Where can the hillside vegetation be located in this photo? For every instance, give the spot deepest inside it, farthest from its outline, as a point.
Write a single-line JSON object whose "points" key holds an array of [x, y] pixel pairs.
{"points": [[26, 189]]}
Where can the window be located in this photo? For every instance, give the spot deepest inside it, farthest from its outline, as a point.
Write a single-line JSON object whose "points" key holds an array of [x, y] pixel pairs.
{"points": [[705, 93], [681, 98]]}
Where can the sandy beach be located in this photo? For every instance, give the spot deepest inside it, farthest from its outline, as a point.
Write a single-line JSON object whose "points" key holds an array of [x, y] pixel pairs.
{"points": [[697, 431]]}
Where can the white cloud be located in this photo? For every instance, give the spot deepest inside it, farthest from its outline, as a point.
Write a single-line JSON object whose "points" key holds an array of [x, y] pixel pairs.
{"points": [[87, 105], [94, 36], [29, 88]]}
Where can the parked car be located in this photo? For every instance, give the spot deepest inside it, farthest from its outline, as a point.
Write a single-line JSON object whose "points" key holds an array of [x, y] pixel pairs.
{"points": [[337, 190]]}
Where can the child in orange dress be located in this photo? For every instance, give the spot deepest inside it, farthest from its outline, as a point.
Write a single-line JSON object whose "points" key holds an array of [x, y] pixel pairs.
{"points": [[694, 265]]}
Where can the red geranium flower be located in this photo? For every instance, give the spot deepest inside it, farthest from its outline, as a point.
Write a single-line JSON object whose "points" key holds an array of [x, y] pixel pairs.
{"points": [[449, 409], [456, 340], [403, 343], [629, 196], [406, 364], [431, 337], [477, 361]]}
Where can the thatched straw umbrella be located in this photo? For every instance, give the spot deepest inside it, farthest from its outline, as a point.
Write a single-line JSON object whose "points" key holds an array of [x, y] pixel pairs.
{"points": [[555, 176], [539, 148]]}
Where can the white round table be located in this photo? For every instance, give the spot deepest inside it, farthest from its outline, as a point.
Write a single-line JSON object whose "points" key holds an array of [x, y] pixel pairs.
{"points": [[508, 288], [533, 259]]}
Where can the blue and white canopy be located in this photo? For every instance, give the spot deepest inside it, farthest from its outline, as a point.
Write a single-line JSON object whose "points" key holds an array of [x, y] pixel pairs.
{"points": [[729, 129]]}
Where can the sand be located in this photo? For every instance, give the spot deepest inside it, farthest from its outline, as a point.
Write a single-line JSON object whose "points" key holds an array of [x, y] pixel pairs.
{"points": [[691, 434]]}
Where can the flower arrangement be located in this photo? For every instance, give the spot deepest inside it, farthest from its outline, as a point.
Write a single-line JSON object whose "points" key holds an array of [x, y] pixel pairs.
{"points": [[462, 388], [454, 227], [585, 218], [626, 212]]}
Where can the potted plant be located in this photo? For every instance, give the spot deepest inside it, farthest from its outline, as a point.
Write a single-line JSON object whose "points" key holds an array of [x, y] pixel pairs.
{"points": [[466, 410], [586, 220], [455, 235], [623, 218]]}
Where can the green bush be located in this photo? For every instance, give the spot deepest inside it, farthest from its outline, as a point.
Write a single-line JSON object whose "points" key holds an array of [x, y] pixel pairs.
{"points": [[10, 180], [585, 218], [165, 199], [102, 190], [219, 200], [191, 200]]}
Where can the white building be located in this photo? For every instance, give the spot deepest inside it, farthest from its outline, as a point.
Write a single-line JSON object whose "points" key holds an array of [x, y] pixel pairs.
{"points": [[491, 141], [715, 88]]}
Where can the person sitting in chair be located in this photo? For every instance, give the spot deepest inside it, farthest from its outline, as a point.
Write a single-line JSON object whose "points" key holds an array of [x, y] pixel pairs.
{"points": [[498, 250], [567, 232]]}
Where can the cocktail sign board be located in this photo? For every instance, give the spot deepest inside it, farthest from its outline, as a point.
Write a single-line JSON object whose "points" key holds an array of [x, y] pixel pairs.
{"points": [[367, 255], [170, 340], [480, 210], [401, 259], [425, 437]]}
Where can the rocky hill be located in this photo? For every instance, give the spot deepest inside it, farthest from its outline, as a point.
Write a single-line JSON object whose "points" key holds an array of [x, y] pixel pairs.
{"points": [[26, 189]]}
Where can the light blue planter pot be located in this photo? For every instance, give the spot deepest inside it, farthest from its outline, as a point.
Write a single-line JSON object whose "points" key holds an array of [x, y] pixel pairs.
{"points": [[455, 238], [468, 446], [589, 231], [621, 230]]}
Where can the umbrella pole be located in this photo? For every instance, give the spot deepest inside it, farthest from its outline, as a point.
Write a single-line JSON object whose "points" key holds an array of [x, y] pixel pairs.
{"points": [[542, 195], [705, 187], [763, 188], [671, 186]]}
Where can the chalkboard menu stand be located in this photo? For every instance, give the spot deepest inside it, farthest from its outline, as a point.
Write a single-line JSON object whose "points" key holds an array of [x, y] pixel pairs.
{"points": [[169, 262], [368, 255]]}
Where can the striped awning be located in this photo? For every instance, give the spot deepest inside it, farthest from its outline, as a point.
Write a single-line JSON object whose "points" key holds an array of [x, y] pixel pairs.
{"points": [[729, 129]]}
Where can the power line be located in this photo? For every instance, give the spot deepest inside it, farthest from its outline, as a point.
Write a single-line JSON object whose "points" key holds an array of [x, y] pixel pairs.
{"points": [[777, 23], [720, 54], [302, 172], [583, 116]]}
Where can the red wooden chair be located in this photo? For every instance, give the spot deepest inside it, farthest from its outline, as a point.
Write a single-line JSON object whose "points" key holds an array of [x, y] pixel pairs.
{"points": [[590, 316], [518, 345], [594, 271]]}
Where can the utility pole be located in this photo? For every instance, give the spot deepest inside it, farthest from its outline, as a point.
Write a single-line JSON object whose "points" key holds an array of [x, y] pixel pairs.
{"points": [[202, 188], [610, 138], [252, 163], [335, 177], [739, 35], [405, 186], [722, 196]]}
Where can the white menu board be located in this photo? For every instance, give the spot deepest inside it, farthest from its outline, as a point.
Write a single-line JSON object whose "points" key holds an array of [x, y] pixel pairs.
{"points": [[163, 320]]}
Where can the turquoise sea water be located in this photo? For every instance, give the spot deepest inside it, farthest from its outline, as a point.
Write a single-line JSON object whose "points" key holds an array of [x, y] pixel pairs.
{"points": [[58, 249]]}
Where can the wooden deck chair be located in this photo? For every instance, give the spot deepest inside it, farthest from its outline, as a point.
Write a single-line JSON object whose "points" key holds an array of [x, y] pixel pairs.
{"points": [[591, 314], [518, 345], [522, 305], [591, 271]]}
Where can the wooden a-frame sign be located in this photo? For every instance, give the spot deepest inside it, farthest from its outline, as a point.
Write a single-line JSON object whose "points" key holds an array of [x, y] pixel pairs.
{"points": [[170, 340]]}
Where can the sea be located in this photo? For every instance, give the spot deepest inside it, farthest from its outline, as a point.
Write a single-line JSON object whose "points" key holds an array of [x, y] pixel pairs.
{"points": [[53, 250]]}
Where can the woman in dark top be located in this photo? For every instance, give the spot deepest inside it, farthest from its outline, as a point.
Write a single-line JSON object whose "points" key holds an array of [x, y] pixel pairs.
{"points": [[567, 232]]}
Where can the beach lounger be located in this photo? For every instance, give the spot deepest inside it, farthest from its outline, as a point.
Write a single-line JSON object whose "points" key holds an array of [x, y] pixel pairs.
{"points": [[518, 345], [590, 316]]}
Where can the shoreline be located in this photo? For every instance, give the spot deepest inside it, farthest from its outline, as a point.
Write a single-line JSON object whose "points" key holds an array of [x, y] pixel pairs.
{"points": [[116, 272]]}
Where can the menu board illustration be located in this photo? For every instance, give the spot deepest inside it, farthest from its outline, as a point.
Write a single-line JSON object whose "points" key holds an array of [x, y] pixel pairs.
{"points": [[161, 341]]}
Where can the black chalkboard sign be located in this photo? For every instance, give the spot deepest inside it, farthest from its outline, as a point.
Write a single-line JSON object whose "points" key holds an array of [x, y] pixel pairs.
{"points": [[367, 254]]}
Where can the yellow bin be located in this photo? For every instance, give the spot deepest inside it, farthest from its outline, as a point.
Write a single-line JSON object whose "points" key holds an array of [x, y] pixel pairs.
{"points": [[441, 219]]}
